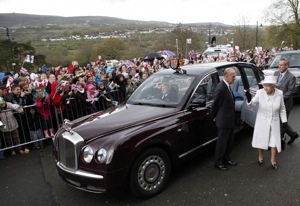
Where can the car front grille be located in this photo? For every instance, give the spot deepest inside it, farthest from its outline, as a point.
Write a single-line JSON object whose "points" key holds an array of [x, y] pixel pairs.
{"points": [[69, 146]]}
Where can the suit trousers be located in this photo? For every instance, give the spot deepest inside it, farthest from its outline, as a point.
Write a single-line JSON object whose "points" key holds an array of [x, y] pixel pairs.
{"points": [[288, 129], [224, 145]]}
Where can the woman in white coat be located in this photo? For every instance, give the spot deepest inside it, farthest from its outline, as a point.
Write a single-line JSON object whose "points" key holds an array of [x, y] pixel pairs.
{"points": [[271, 110]]}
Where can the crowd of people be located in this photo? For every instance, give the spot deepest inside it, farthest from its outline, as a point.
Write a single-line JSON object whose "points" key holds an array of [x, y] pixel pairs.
{"points": [[41, 100]]}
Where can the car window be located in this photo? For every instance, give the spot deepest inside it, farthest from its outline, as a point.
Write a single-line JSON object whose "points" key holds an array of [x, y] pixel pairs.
{"points": [[207, 87], [251, 78], [293, 58], [154, 90]]}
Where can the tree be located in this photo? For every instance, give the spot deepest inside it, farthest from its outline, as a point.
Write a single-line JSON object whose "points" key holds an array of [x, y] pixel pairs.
{"points": [[243, 33], [13, 52], [284, 17], [182, 33], [111, 48]]}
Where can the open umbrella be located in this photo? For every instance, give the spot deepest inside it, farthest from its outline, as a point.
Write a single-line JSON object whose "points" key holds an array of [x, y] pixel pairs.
{"points": [[167, 53], [152, 56]]}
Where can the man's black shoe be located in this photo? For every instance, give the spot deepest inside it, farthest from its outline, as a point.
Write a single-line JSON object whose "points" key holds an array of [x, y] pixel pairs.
{"points": [[293, 138], [221, 167], [231, 163]]}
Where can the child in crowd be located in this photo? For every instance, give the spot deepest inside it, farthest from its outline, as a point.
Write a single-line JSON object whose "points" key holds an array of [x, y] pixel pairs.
{"points": [[35, 128], [10, 125], [43, 105], [93, 96]]}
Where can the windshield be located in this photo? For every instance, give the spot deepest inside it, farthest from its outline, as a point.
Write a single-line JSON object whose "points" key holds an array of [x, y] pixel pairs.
{"points": [[293, 58], [162, 90]]}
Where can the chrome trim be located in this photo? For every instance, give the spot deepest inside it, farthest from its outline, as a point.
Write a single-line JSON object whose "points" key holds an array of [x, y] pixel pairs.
{"points": [[196, 148], [73, 137], [80, 172], [77, 142]]}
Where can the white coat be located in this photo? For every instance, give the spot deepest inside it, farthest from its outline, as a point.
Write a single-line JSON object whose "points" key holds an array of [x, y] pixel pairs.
{"points": [[268, 117]]}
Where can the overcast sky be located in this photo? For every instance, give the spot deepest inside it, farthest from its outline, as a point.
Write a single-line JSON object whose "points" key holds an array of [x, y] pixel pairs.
{"points": [[173, 11]]}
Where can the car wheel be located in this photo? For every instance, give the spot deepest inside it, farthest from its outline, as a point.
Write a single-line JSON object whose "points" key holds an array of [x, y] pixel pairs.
{"points": [[150, 173]]}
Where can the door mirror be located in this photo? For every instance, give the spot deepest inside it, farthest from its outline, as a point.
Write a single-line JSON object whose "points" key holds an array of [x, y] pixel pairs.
{"points": [[198, 102]]}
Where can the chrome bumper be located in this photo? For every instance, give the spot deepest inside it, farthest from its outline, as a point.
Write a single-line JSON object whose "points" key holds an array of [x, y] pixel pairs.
{"points": [[80, 173]]}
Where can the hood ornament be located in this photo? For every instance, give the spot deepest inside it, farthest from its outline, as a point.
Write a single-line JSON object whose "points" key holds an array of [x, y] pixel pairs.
{"points": [[67, 125]]}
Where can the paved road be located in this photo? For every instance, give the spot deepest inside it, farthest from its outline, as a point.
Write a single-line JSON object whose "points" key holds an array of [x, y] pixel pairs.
{"points": [[32, 180]]}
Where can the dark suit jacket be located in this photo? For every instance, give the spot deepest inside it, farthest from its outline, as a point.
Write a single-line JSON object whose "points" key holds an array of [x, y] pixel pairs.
{"points": [[223, 107], [170, 97], [287, 85]]}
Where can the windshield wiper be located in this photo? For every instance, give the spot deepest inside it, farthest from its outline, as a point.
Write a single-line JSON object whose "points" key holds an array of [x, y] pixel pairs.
{"points": [[153, 105]]}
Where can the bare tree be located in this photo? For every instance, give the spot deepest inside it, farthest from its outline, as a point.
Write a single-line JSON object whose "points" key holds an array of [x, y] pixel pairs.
{"points": [[243, 33], [284, 16]]}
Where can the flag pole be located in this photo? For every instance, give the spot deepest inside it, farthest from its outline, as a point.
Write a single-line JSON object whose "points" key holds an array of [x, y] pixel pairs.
{"points": [[23, 62]]}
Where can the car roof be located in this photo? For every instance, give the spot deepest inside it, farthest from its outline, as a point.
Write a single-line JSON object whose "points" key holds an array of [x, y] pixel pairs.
{"points": [[289, 52], [200, 69]]}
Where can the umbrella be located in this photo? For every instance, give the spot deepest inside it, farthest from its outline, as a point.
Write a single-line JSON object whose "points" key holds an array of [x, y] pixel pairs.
{"points": [[167, 53], [152, 56]]}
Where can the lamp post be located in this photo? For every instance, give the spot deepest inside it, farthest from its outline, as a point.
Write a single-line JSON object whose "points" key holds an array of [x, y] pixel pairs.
{"points": [[209, 34], [256, 35]]}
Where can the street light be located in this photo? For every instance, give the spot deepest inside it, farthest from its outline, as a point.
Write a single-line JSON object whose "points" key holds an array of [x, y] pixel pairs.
{"points": [[209, 34], [256, 39]]}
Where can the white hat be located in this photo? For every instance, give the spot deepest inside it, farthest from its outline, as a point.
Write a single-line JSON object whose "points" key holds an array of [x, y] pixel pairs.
{"points": [[269, 80]]}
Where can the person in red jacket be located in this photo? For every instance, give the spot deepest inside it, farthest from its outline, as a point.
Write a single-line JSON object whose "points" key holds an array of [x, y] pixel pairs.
{"points": [[43, 105], [72, 67]]}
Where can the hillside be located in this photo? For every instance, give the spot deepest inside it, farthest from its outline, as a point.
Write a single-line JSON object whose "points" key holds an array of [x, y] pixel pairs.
{"points": [[28, 20]]}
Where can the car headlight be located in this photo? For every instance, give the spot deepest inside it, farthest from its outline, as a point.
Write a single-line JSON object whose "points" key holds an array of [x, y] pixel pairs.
{"points": [[101, 155], [104, 156], [109, 156], [297, 80], [88, 154]]}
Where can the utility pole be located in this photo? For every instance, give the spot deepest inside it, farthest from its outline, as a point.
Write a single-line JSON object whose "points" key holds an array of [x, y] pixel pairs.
{"points": [[13, 64], [7, 34], [256, 36], [209, 34]]}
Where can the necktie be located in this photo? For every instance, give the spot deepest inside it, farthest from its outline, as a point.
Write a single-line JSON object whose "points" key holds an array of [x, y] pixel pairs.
{"points": [[279, 78], [230, 91]]}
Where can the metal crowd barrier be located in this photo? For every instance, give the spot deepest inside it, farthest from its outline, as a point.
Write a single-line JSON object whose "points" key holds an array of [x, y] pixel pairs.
{"points": [[33, 128]]}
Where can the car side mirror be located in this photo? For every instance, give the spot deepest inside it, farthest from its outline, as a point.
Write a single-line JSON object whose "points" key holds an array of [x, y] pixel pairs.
{"points": [[266, 66], [198, 103]]}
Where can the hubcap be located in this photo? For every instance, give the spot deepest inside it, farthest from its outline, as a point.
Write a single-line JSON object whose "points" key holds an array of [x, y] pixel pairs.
{"points": [[151, 172]]}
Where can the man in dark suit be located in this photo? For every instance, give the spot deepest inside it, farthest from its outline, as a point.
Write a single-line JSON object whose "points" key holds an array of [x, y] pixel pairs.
{"points": [[286, 83], [223, 113]]}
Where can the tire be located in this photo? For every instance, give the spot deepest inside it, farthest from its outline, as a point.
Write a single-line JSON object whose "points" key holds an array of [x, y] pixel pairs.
{"points": [[150, 173]]}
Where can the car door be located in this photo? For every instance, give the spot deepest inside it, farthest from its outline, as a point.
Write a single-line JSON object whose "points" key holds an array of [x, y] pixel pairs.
{"points": [[251, 76], [201, 130]]}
